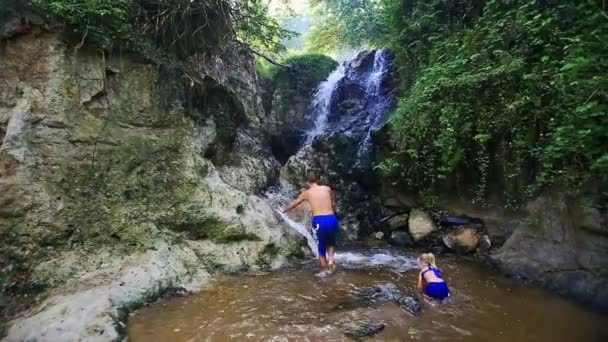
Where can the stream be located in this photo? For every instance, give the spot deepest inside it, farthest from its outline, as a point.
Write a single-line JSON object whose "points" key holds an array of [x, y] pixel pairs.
{"points": [[294, 305]]}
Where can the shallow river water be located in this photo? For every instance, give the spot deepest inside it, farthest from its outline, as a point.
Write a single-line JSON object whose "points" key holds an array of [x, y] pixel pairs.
{"points": [[293, 305]]}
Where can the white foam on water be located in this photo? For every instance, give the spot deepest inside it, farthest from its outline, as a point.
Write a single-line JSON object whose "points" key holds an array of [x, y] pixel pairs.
{"points": [[398, 263]]}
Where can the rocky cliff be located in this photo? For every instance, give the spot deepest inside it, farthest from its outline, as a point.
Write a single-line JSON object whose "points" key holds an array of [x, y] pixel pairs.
{"points": [[116, 182]]}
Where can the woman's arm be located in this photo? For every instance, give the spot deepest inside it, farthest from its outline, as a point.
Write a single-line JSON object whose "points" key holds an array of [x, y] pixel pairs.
{"points": [[420, 281]]}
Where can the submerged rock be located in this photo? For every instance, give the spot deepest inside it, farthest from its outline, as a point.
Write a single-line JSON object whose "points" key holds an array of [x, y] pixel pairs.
{"points": [[389, 291], [420, 224], [363, 330]]}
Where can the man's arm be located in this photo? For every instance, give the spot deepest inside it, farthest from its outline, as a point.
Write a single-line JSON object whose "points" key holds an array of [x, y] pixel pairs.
{"points": [[295, 202]]}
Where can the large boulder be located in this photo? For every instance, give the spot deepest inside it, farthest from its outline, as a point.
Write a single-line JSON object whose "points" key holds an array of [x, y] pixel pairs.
{"points": [[553, 247], [462, 240], [420, 224]]}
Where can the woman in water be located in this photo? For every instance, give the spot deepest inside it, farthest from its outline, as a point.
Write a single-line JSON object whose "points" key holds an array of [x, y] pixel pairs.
{"points": [[435, 288]]}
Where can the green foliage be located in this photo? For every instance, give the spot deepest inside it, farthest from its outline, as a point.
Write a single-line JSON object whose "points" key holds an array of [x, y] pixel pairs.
{"points": [[498, 96], [167, 29], [254, 26], [342, 24], [303, 71], [101, 21]]}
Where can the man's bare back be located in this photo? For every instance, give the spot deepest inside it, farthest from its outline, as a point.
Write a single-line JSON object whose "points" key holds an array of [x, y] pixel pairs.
{"points": [[320, 199]]}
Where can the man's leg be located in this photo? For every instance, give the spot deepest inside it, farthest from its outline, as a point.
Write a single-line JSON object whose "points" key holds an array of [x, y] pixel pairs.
{"points": [[330, 242], [322, 250], [330, 257], [322, 261]]}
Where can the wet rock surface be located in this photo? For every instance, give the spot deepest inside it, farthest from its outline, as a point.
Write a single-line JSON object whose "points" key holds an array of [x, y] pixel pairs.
{"points": [[389, 291], [363, 330], [420, 224]]}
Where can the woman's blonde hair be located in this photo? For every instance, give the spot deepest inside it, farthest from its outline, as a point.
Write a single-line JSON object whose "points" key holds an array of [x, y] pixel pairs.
{"points": [[428, 258]]}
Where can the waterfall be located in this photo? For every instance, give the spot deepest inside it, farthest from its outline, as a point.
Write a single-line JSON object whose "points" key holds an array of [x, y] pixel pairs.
{"points": [[378, 106], [321, 103], [351, 102], [371, 116]]}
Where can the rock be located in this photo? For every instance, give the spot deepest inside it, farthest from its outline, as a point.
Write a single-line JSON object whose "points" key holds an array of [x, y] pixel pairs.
{"points": [[363, 330], [18, 19], [108, 165], [463, 240], [548, 248], [401, 239], [420, 224], [397, 221], [379, 235], [409, 304], [485, 244], [389, 291], [90, 312], [174, 291], [363, 61]]}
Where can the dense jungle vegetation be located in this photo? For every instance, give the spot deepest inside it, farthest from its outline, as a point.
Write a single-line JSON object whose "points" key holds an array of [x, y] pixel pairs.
{"points": [[496, 96]]}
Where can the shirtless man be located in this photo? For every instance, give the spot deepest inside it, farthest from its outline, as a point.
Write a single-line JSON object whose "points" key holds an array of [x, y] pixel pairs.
{"points": [[324, 221]]}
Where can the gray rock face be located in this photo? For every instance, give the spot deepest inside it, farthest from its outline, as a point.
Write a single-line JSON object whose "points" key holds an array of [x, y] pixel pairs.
{"points": [[90, 161], [558, 253], [420, 224], [92, 313]]}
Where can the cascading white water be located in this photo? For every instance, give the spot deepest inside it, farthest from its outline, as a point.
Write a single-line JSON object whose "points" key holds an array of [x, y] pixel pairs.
{"points": [[378, 104], [300, 228], [322, 102]]}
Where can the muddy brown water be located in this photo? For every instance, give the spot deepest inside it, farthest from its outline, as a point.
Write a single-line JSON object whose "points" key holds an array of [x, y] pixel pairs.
{"points": [[293, 305]]}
